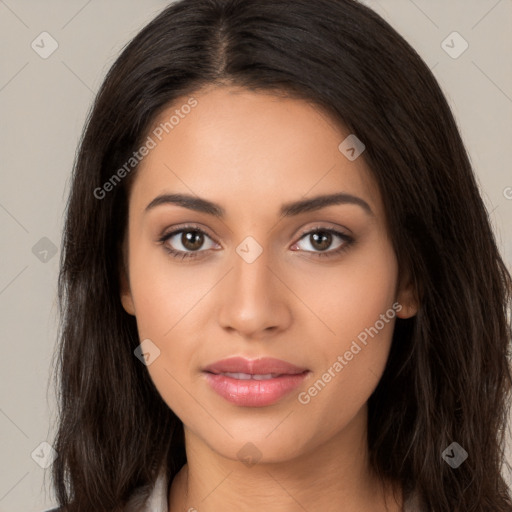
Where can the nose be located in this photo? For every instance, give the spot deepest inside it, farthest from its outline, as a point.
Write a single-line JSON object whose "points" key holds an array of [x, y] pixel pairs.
{"points": [[254, 299]]}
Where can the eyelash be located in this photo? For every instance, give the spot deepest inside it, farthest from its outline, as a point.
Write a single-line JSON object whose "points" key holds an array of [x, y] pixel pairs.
{"points": [[193, 254]]}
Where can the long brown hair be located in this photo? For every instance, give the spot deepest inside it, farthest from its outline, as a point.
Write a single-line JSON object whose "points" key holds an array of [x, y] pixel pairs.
{"points": [[447, 378]]}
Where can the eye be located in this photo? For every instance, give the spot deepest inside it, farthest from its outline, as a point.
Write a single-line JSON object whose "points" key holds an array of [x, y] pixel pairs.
{"points": [[187, 242], [320, 239], [179, 242]]}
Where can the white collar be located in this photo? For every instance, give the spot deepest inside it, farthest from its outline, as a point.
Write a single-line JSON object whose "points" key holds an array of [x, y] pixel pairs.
{"points": [[154, 500], [157, 501]]}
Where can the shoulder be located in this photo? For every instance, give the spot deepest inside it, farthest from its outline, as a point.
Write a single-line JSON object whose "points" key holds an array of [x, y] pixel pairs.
{"points": [[148, 498]]}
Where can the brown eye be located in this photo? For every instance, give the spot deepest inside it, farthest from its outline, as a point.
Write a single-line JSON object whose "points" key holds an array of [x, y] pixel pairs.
{"points": [[186, 242], [321, 239], [192, 240]]}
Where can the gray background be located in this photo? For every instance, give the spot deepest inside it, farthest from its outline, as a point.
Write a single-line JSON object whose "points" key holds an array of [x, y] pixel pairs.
{"points": [[43, 106]]}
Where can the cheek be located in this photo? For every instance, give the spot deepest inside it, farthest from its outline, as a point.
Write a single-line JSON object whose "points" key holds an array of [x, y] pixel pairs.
{"points": [[165, 295], [166, 312], [350, 297], [357, 304], [169, 304]]}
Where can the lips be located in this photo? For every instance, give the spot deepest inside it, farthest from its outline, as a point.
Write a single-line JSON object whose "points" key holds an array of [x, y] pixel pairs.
{"points": [[253, 383], [263, 366], [248, 376]]}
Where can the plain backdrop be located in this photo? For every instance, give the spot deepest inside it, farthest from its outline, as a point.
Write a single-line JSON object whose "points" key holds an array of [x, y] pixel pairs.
{"points": [[44, 102]]}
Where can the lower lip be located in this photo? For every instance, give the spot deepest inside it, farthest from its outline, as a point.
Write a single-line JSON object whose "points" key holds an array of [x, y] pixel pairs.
{"points": [[254, 393]]}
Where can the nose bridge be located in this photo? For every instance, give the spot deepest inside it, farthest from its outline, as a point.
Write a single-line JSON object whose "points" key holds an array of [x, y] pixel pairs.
{"points": [[251, 273], [251, 299]]}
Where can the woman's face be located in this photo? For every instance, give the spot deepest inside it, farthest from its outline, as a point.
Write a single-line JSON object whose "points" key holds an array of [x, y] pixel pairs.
{"points": [[262, 274]]}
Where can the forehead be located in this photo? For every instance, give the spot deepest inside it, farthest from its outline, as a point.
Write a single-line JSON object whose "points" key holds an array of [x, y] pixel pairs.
{"points": [[249, 150]]}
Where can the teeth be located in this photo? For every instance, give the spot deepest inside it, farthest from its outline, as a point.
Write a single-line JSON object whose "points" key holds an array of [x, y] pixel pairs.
{"points": [[240, 376], [264, 377], [248, 376]]}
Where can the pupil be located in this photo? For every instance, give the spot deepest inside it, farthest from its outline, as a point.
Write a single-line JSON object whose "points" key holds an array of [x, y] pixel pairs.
{"points": [[325, 236], [187, 240]]}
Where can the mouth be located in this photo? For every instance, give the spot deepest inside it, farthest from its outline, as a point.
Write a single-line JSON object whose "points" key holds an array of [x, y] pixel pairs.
{"points": [[253, 383], [249, 376], [263, 366]]}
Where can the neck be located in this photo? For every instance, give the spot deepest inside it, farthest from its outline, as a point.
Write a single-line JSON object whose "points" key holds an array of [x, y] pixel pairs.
{"points": [[334, 476]]}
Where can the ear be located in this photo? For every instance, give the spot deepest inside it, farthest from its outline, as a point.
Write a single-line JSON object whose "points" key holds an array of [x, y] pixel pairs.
{"points": [[407, 298], [124, 285]]}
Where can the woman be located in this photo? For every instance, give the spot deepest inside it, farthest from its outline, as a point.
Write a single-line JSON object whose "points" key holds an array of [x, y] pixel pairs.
{"points": [[279, 286]]}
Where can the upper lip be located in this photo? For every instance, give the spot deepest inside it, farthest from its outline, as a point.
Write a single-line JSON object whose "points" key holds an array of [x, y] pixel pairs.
{"points": [[262, 366]]}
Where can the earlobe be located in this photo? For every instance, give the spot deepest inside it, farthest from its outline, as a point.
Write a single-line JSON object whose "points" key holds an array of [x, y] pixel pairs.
{"points": [[126, 295], [407, 298], [408, 310]]}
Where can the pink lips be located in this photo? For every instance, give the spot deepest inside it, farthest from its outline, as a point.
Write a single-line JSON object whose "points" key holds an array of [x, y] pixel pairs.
{"points": [[253, 383]]}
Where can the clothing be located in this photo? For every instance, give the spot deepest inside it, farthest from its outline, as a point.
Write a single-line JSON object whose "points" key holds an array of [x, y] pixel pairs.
{"points": [[158, 500]]}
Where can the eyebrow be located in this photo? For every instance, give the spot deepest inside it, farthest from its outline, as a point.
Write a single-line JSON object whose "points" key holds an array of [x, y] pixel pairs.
{"points": [[287, 210]]}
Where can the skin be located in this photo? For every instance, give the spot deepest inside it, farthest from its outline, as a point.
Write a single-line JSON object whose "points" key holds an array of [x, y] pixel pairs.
{"points": [[250, 152]]}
